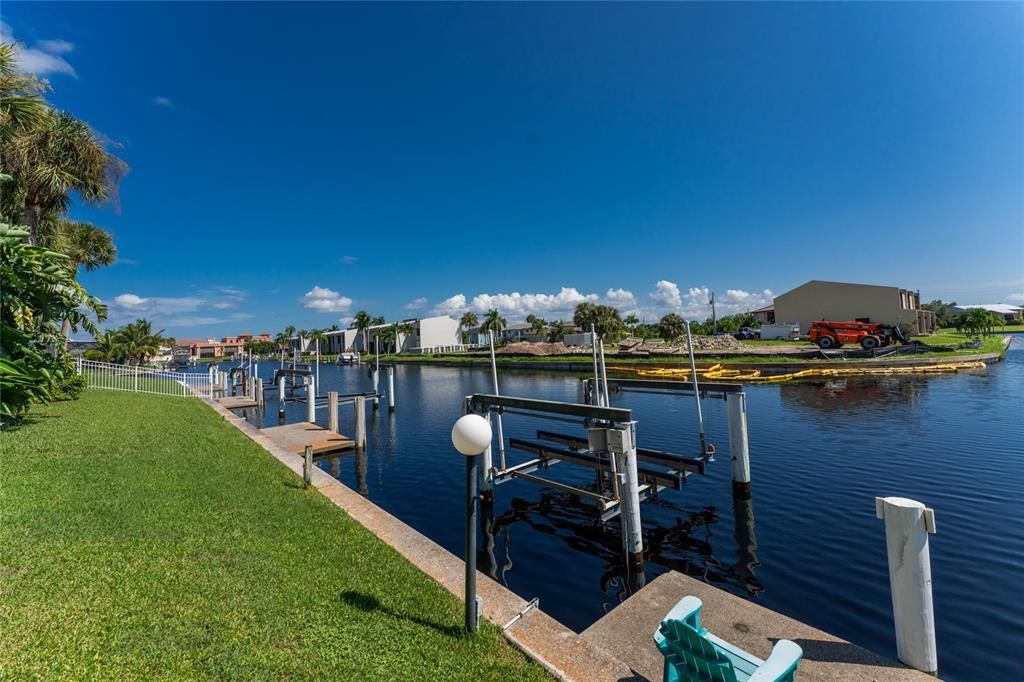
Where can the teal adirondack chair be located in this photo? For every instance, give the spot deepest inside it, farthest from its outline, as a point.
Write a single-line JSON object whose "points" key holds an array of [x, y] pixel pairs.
{"points": [[693, 654]]}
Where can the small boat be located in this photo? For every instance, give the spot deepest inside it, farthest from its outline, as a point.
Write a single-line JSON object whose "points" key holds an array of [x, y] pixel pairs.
{"points": [[182, 357], [347, 359]]}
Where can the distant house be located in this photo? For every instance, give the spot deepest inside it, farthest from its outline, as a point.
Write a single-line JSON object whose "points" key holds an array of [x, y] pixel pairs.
{"points": [[1009, 313], [821, 300], [227, 347], [427, 333], [765, 314]]}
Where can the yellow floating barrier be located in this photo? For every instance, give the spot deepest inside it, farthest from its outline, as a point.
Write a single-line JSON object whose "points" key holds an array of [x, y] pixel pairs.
{"points": [[720, 373]]}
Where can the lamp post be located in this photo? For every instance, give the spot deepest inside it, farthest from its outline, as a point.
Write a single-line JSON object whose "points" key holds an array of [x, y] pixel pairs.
{"points": [[471, 435]]}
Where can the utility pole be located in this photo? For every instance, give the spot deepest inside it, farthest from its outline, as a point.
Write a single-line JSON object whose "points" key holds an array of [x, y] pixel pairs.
{"points": [[714, 318]]}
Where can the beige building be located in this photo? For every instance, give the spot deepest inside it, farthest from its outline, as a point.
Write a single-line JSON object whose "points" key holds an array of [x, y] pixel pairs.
{"points": [[818, 300]]}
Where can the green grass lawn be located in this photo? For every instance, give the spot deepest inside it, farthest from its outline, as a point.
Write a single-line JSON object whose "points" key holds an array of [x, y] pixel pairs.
{"points": [[145, 537]]}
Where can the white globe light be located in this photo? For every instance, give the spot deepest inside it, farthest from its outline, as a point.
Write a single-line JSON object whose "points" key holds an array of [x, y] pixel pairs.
{"points": [[471, 435]]}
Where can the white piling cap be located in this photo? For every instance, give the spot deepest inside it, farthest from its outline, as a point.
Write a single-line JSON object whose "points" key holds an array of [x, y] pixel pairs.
{"points": [[471, 435]]}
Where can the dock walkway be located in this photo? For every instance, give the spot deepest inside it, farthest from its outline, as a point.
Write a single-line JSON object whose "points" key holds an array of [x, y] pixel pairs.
{"points": [[236, 402], [295, 438], [626, 633]]}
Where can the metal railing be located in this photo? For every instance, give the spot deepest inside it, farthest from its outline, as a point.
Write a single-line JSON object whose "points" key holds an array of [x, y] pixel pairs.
{"points": [[134, 379]]}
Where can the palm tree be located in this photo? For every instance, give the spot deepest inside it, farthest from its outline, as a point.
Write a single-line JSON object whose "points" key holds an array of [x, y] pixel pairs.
{"points": [[604, 318], [558, 330], [21, 96], [631, 321], [137, 341], [319, 336], [107, 347], [283, 340], [389, 335], [56, 157], [538, 325], [86, 246], [493, 322], [362, 321], [468, 321]]}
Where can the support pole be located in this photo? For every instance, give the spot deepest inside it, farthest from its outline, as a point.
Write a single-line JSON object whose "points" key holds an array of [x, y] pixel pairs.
{"points": [[604, 373], [907, 525], [472, 615], [391, 389], [696, 391], [332, 411], [501, 432], [485, 482], [280, 399], [307, 467], [739, 445], [376, 373], [597, 375], [629, 500], [361, 422], [311, 400]]}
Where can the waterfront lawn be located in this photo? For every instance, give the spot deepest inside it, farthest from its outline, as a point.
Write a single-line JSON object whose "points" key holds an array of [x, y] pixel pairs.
{"points": [[145, 537]]}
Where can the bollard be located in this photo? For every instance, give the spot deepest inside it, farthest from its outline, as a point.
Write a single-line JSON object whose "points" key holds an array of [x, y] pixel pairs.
{"points": [[307, 467], [629, 492], [311, 401], [280, 399], [907, 525], [361, 422], [391, 389], [332, 411], [739, 445]]}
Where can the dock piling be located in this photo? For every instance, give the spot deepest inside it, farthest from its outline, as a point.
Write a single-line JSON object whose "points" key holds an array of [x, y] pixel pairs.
{"points": [[360, 422], [391, 389], [739, 445], [624, 452], [280, 399], [307, 467], [332, 411], [311, 400], [907, 525]]}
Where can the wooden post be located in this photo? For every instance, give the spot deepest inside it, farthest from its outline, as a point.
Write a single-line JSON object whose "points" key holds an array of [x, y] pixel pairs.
{"points": [[739, 446], [907, 525], [332, 411], [307, 467], [361, 422]]}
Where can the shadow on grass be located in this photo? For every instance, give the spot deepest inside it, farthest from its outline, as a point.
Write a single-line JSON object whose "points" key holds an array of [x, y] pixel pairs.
{"points": [[369, 603]]}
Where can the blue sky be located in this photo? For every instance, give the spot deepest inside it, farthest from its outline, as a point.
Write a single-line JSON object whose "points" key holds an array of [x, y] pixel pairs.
{"points": [[295, 163]]}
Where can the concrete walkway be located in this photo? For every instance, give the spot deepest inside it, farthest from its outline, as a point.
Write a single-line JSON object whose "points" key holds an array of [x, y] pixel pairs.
{"points": [[627, 633]]}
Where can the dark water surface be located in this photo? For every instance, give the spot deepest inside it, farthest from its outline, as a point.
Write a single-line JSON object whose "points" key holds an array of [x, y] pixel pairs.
{"points": [[807, 545]]}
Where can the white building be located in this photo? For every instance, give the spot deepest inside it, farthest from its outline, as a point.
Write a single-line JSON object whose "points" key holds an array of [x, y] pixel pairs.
{"points": [[1009, 313], [427, 334]]}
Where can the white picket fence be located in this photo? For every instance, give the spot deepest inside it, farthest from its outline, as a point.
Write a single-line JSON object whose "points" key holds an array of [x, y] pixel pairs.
{"points": [[132, 379]]}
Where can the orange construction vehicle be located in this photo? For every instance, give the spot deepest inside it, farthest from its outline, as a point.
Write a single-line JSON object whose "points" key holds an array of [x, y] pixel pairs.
{"points": [[830, 334]]}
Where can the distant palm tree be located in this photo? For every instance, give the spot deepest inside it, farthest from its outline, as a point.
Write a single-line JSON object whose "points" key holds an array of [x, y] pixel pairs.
{"points": [[283, 340], [107, 347], [318, 336], [493, 322], [558, 330], [604, 318], [468, 321], [137, 341], [631, 321], [362, 322], [538, 325]]}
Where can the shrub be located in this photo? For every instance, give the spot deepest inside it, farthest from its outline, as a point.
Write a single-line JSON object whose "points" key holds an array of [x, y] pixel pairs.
{"points": [[67, 384]]}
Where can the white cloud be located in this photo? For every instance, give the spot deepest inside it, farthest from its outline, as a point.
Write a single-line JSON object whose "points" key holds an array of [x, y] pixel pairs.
{"points": [[348, 260], [453, 305], [666, 294], [346, 320], [518, 305], [1015, 298], [416, 304], [326, 301], [129, 300], [43, 58], [56, 46], [162, 101], [620, 298]]}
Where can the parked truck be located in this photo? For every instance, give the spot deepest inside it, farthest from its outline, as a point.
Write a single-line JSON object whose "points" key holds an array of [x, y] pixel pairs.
{"points": [[783, 332]]}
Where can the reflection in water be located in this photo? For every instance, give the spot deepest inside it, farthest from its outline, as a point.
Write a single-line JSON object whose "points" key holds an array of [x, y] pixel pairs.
{"points": [[855, 396], [746, 545], [333, 461]]}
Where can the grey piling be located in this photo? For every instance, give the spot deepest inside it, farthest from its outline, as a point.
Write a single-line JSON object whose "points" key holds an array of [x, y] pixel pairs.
{"points": [[471, 611], [376, 391], [391, 389], [739, 445], [629, 496], [907, 525], [307, 467], [332, 411], [280, 399], [361, 422], [311, 400]]}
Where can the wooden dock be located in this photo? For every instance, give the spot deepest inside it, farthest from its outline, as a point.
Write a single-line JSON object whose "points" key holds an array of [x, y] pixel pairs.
{"points": [[626, 633], [237, 402], [295, 438]]}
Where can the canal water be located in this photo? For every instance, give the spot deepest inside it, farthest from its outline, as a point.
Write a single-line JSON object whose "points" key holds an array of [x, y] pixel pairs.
{"points": [[808, 543]]}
